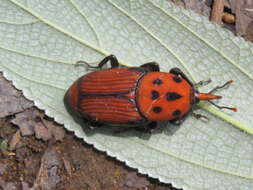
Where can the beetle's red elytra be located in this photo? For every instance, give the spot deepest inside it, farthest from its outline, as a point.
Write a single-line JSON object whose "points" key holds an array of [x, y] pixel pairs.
{"points": [[135, 96]]}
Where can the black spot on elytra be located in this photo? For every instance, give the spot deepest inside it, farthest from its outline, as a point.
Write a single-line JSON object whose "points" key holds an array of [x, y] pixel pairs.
{"points": [[154, 94], [171, 96], [157, 109], [176, 113], [157, 82], [177, 79]]}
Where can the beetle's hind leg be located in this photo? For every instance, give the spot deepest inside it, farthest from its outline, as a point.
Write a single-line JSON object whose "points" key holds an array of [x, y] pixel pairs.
{"points": [[151, 66], [112, 58]]}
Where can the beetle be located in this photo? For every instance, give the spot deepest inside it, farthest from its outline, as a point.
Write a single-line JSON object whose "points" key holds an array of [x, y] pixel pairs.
{"points": [[138, 97]]}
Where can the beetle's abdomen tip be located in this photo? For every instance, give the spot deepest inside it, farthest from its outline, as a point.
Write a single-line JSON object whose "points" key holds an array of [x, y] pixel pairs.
{"points": [[71, 98], [66, 99]]}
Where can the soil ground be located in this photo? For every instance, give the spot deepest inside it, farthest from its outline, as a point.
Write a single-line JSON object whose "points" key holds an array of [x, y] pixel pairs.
{"points": [[80, 166]]}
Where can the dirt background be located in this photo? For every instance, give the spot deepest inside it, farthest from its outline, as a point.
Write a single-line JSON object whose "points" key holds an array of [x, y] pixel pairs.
{"points": [[36, 153]]}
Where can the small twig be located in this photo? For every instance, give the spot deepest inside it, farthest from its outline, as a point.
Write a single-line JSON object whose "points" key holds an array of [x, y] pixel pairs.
{"points": [[217, 11], [249, 10]]}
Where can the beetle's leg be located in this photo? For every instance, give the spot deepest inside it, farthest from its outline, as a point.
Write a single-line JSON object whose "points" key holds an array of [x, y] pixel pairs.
{"points": [[151, 66], [199, 116], [149, 128], [177, 121], [202, 83], [177, 71], [112, 58], [93, 125]]}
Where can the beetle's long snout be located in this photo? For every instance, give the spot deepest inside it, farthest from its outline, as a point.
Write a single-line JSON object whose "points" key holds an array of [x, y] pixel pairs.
{"points": [[206, 96]]}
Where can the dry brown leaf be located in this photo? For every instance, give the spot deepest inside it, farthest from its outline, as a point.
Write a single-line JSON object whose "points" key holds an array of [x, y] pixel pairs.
{"points": [[200, 6], [41, 132], [26, 121], [47, 177], [134, 181], [11, 100], [244, 14], [15, 140]]}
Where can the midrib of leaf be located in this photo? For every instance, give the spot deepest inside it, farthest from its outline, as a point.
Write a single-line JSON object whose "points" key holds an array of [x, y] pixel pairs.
{"points": [[205, 41], [85, 17], [209, 108], [225, 117], [192, 162]]}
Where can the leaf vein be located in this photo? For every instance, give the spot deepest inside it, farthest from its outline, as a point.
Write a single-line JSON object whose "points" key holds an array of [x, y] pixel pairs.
{"points": [[154, 37], [53, 25], [34, 56], [86, 19], [19, 23], [205, 41], [192, 162], [34, 81]]}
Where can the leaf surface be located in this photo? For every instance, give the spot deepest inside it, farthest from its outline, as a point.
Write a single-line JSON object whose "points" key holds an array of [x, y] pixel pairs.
{"points": [[41, 40]]}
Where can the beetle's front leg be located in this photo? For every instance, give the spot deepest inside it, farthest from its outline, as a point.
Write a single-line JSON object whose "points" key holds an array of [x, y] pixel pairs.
{"points": [[177, 71], [202, 83]]}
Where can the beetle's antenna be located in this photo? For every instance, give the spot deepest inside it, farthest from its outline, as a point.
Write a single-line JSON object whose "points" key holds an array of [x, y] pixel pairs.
{"points": [[219, 87], [223, 107]]}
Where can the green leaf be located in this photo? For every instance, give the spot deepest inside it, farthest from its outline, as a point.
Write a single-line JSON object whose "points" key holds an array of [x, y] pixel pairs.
{"points": [[3, 145], [41, 40]]}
